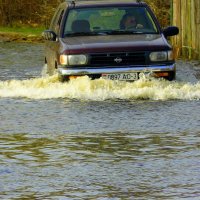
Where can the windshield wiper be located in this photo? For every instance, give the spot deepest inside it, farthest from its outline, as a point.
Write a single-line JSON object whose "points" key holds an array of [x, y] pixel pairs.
{"points": [[123, 32], [82, 34], [107, 32]]}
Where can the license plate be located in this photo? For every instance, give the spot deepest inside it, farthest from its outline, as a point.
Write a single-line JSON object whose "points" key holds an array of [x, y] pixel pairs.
{"points": [[121, 76]]}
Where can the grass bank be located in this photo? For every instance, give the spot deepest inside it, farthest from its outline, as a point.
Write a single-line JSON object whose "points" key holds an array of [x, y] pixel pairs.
{"points": [[21, 34]]}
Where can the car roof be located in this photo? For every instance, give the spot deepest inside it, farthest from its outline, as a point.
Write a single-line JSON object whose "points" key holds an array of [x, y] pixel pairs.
{"points": [[85, 3]]}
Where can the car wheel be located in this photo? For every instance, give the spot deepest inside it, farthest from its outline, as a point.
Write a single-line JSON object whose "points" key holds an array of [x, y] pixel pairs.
{"points": [[63, 78], [172, 76]]}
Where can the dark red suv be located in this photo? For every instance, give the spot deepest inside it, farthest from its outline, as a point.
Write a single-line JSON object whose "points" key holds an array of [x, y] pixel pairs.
{"points": [[108, 39]]}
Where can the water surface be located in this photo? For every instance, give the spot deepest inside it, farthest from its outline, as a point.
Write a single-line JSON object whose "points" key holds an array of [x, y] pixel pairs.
{"points": [[96, 139]]}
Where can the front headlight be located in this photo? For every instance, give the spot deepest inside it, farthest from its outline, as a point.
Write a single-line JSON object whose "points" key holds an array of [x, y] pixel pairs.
{"points": [[73, 59], [158, 56], [77, 59], [161, 56]]}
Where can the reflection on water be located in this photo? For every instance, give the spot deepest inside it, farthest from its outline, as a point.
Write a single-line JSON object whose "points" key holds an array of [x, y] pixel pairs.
{"points": [[93, 166], [95, 139]]}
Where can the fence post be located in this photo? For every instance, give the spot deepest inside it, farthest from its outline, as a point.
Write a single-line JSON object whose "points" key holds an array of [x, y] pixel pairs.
{"points": [[186, 15]]}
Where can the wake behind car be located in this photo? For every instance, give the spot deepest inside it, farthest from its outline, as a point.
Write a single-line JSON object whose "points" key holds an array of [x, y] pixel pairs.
{"points": [[109, 39]]}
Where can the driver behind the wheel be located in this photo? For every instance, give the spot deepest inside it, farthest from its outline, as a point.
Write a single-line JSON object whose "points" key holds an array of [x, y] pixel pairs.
{"points": [[128, 22]]}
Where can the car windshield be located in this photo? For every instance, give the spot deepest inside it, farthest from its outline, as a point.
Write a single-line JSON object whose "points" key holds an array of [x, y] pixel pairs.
{"points": [[109, 20]]}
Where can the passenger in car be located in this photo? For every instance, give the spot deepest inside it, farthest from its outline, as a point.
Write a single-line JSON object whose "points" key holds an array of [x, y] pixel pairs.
{"points": [[129, 21]]}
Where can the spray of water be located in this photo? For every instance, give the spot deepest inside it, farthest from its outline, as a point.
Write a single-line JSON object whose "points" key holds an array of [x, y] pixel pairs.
{"points": [[83, 88]]}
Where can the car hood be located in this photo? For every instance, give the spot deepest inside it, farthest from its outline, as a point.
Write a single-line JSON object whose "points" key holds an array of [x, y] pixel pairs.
{"points": [[113, 43]]}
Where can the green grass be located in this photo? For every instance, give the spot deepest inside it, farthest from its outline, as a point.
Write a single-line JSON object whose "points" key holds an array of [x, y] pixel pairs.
{"points": [[23, 30]]}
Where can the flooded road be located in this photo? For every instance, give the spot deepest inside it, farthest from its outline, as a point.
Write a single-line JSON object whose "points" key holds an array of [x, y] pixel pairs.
{"points": [[96, 139]]}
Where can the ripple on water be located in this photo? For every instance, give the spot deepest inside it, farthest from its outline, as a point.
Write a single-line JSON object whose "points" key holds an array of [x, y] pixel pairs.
{"points": [[94, 166]]}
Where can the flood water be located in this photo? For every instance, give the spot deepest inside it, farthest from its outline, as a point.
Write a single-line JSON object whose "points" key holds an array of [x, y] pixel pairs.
{"points": [[96, 139]]}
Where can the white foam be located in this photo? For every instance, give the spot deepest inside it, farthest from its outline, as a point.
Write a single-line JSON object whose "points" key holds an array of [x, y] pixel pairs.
{"points": [[85, 89]]}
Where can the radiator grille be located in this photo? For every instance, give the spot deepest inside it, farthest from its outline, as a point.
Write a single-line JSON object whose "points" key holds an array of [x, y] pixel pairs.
{"points": [[116, 59]]}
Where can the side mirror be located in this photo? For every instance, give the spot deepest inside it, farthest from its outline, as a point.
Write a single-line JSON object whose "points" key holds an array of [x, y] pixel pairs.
{"points": [[171, 31], [49, 35]]}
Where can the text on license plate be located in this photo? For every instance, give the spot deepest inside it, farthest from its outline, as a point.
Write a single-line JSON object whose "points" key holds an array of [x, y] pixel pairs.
{"points": [[121, 76]]}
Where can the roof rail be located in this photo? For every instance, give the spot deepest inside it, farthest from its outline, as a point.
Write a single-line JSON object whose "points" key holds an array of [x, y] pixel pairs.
{"points": [[73, 2]]}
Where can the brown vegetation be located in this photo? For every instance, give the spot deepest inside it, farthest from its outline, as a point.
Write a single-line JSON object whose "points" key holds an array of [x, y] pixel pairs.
{"points": [[162, 9], [23, 12], [39, 12]]}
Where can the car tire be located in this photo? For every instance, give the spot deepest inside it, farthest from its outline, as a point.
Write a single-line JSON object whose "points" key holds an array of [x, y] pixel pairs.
{"points": [[172, 76], [63, 78]]}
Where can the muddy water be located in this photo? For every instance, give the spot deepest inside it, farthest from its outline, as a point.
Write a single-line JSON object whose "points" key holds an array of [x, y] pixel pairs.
{"points": [[96, 139]]}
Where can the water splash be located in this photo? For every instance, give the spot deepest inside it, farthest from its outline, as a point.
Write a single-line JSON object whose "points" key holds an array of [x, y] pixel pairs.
{"points": [[98, 90], [44, 71]]}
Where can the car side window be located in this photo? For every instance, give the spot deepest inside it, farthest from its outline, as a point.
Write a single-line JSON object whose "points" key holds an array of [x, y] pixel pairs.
{"points": [[71, 17], [57, 21]]}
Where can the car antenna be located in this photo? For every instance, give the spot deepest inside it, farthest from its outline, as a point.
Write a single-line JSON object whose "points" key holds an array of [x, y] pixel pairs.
{"points": [[73, 3]]}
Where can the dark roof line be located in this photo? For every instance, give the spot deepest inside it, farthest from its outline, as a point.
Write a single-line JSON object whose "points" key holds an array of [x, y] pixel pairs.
{"points": [[73, 2]]}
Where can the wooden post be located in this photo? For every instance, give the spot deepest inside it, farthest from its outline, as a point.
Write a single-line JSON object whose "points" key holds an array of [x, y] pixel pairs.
{"points": [[186, 15]]}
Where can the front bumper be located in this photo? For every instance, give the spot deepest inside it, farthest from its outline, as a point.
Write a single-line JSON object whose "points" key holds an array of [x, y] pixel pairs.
{"points": [[64, 71]]}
